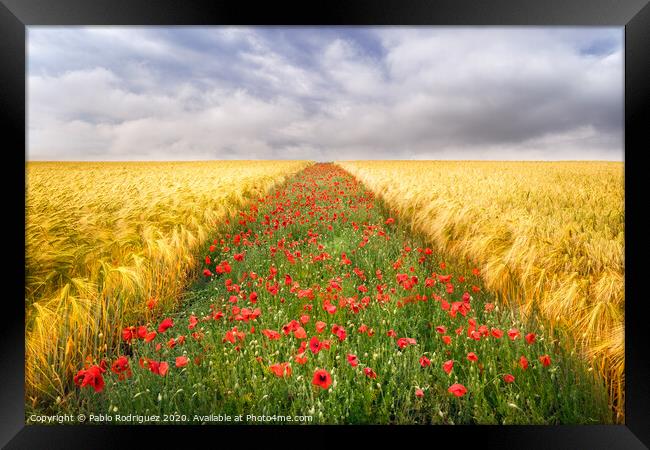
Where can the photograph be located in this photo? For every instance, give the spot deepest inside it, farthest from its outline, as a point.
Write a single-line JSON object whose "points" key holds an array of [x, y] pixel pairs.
{"points": [[324, 225]]}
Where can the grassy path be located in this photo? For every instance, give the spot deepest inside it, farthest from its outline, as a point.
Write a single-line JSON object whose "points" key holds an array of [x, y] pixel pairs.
{"points": [[316, 302]]}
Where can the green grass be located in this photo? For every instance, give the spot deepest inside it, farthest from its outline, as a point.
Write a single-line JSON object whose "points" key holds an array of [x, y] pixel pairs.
{"points": [[231, 381]]}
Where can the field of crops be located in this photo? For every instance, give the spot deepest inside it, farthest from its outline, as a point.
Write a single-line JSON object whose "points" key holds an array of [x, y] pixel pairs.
{"points": [[547, 237], [112, 243], [317, 301]]}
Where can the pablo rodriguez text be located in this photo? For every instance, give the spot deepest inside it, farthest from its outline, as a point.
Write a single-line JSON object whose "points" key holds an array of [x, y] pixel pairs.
{"points": [[136, 418]]}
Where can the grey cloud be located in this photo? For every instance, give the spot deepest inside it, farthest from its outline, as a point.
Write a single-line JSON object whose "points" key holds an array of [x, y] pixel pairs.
{"points": [[325, 93]]}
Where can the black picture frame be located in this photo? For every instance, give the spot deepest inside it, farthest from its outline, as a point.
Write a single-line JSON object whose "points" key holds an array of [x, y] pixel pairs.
{"points": [[634, 15]]}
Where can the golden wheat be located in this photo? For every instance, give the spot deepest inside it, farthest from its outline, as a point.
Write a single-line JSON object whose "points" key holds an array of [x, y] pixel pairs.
{"points": [[103, 238], [548, 236]]}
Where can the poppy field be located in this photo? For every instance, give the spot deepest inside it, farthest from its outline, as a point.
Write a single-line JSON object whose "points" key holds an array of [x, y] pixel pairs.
{"points": [[548, 236], [318, 298]]}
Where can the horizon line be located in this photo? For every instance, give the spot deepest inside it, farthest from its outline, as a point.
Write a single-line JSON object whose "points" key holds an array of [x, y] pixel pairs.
{"points": [[312, 160]]}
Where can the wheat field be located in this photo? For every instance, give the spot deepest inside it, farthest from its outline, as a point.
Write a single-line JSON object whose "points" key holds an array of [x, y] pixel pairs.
{"points": [[547, 236], [109, 243]]}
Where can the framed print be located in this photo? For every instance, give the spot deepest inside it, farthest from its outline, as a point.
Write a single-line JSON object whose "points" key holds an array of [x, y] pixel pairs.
{"points": [[333, 222]]}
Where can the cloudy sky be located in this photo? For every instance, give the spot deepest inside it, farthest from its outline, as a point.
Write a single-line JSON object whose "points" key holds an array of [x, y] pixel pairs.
{"points": [[324, 93]]}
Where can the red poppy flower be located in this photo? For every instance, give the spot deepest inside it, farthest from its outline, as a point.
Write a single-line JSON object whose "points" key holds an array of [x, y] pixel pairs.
{"points": [[530, 338], [508, 378], [353, 360], [142, 332], [339, 331], [496, 333], [424, 361], [513, 333], [403, 342], [441, 329], [344, 259], [322, 379], [165, 324], [523, 362], [271, 334], [475, 335], [281, 369], [315, 345], [181, 361], [447, 366], [446, 340], [471, 356], [545, 360], [153, 366], [223, 267], [151, 303], [150, 336], [291, 326], [234, 335], [369, 373], [121, 367], [419, 393], [90, 377], [320, 326], [300, 333], [457, 389], [444, 278], [128, 334]]}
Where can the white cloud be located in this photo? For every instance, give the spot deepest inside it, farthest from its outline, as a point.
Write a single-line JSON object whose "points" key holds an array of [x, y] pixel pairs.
{"points": [[138, 93]]}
